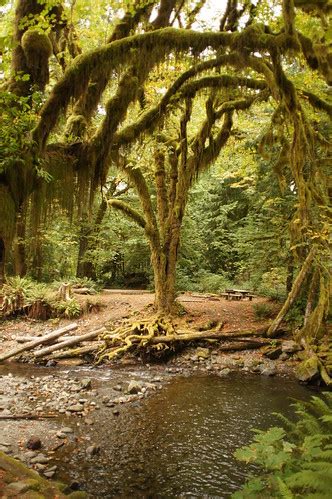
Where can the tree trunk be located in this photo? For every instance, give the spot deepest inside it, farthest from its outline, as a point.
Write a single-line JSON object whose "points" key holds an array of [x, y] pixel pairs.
{"points": [[296, 288], [85, 268], [2, 261], [164, 268], [19, 245]]}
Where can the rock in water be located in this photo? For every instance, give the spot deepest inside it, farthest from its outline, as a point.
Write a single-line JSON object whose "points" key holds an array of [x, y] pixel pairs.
{"points": [[34, 443], [134, 387]]}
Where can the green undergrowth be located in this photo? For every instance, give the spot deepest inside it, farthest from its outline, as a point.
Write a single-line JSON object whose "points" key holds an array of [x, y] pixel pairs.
{"points": [[295, 458], [23, 296]]}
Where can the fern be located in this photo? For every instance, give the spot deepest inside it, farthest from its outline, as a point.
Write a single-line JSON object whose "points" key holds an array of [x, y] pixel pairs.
{"points": [[297, 463]]}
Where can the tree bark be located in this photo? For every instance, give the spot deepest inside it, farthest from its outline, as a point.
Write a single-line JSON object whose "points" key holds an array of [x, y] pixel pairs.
{"points": [[164, 268]]}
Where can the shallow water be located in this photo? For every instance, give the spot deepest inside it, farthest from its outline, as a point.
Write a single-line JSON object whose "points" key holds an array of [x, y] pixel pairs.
{"points": [[180, 442]]}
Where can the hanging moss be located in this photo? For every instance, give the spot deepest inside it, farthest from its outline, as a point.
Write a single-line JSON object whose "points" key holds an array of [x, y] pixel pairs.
{"points": [[37, 49]]}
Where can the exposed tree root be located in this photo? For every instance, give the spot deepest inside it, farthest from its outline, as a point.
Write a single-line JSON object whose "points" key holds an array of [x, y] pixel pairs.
{"points": [[155, 337]]}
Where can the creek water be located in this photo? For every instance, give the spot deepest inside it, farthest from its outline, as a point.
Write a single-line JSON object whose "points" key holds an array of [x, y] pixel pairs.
{"points": [[180, 442]]}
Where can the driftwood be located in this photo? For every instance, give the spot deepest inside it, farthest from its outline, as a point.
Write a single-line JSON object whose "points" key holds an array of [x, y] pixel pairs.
{"points": [[40, 341], [77, 352], [74, 341]]}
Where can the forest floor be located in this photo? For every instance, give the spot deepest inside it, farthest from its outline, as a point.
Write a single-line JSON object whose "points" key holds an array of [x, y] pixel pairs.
{"points": [[113, 306]]}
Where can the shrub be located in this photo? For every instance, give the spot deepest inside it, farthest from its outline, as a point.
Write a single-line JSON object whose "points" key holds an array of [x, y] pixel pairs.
{"points": [[19, 294], [211, 283], [296, 459], [68, 308], [263, 310]]}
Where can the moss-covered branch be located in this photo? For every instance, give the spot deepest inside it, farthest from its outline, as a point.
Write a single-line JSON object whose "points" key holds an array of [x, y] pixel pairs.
{"points": [[225, 81], [317, 102], [157, 44], [127, 210]]}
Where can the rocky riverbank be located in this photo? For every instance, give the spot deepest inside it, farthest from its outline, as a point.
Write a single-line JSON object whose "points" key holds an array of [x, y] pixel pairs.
{"points": [[54, 408]]}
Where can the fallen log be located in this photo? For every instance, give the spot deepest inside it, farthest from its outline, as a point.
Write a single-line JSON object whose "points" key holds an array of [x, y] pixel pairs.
{"points": [[76, 352], [28, 416], [40, 341], [82, 291], [247, 345], [74, 341], [26, 339], [190, 336]]}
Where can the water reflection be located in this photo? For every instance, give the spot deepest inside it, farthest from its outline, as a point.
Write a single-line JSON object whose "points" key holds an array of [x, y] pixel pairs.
{"points": [[180, 443]]}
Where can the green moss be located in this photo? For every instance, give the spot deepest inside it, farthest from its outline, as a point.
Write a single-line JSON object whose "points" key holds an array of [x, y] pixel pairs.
{"points": [[34, 41]]}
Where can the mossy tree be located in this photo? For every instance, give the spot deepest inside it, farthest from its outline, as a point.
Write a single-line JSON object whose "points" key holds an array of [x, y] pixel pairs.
{"points": [[71, 137]]}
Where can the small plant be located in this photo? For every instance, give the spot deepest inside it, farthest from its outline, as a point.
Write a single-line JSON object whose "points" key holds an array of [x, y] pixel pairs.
{"points": [[296, 459], [263, 311], [68, 308], [19, 294]]}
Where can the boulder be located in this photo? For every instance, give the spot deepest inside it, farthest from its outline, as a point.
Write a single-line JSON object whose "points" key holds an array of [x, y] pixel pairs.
{"points": [[290, 346], [134, 387], [34, 443], [308, 370], [203, 353], [273, 352]]}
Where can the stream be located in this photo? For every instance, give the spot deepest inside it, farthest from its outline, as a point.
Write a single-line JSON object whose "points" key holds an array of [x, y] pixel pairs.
{"points": [[178, 442]]}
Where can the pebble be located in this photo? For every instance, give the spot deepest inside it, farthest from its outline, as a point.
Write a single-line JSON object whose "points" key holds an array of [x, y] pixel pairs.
{"points": [[49, 474], [75, 408], [67, 429], [93, 450], [61, 435], [40, 458]]}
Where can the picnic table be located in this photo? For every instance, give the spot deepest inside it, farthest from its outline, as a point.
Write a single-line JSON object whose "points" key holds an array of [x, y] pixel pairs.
{"points": [[237, 294]]}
